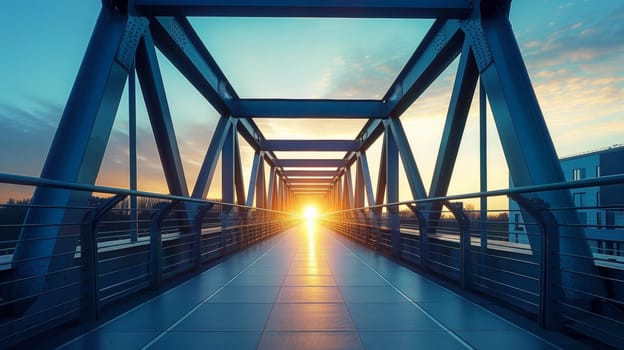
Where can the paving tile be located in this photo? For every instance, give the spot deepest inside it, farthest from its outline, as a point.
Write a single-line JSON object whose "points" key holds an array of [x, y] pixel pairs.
{"points": [[309, 280], [311, 316], [208, 340], [371, 294], [246, 294], [460, 314], [505, 339], [390, 317], [311, 341], [431, 340], [309, 294], [155, 315], [110, 340], [226, 317]]}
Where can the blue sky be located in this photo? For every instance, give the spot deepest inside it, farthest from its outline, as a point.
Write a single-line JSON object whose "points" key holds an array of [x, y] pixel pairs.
{"points": [[573, 50]]}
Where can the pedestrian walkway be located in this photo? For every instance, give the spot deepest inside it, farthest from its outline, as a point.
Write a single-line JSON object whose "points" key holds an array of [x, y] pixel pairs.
{"points": [[308, 288]]}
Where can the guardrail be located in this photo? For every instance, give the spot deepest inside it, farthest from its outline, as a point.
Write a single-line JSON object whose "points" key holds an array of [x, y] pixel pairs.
{"points": [[524, 255], [118, 250]]}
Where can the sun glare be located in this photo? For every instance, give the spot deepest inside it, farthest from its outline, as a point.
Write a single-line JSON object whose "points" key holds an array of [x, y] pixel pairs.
{"points": [[310, 213]]}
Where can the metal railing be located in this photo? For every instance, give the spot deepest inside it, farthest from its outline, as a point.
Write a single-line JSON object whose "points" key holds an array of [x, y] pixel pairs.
{"points": [[106, 255], [566, 274]]}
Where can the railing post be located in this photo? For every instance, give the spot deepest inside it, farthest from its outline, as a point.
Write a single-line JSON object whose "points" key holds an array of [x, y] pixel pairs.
{"points": [[394, 224], [197, 233], [549, 313], [89, 268], [464, 243], [226, 224], [156, 251], [424, 237]]}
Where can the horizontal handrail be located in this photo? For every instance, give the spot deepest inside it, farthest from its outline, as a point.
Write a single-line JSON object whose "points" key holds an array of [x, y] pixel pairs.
{"points": [[599, 181], [37, 181]]}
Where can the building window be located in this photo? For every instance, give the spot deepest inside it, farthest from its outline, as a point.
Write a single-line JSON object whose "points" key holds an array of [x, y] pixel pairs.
{"points": [[582, 216], [578, 173], [597, 170], [517, 220], [598, 198], [598, 219], [578, 198]]}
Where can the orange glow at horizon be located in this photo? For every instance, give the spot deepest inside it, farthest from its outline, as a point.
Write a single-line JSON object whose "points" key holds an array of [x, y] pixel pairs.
{"points": [[310, 212]]}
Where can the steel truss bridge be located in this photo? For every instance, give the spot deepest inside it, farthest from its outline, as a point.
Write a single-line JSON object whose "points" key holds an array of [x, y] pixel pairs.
{"points": [[76, 257]]}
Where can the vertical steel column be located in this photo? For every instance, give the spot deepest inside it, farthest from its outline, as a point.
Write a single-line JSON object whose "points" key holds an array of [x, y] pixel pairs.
{"points": [[261, 197], [238, 173], [227, 182], [381, 178], [253, 179], [348, 189], [132, 151], [272, 196], [483, 172], [358, 198], [392, 190]]}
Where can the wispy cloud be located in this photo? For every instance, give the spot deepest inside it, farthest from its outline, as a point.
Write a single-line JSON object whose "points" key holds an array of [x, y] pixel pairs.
{"points": [[27, 133], [579, 42]]}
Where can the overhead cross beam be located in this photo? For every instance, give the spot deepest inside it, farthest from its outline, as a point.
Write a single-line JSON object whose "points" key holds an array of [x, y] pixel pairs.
{"points": [[292, 108], [310, 180], [310, 145], [309, 163], [310, 173], [308, 8]]}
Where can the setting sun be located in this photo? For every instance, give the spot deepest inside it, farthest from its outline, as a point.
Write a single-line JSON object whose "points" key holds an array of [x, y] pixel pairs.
{"points": [[310, 213]]}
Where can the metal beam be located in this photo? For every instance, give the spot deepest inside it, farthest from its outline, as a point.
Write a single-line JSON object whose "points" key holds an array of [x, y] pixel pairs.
{"points": [[310, 173], [309, 191], [261, 194], [238, 172], [463, 91], [204, 179], [322, 180], [309, 8], [179, 42], [381, 177], [310, 145], [528, 147], [367, 179], [76, 152], [292, 108], [323, 186], [228, 167], [309, 163], [272, 196], [155, 98], [440, 46], [409, 163], [253, 178]]}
